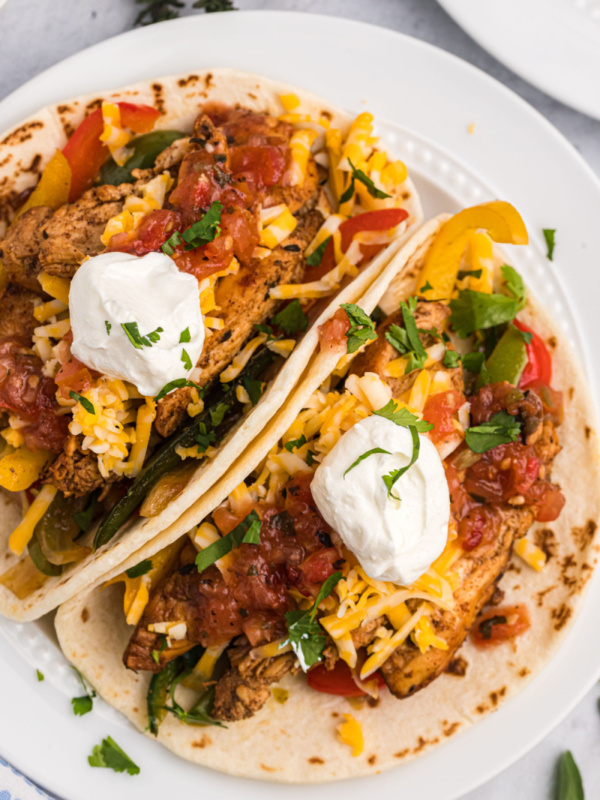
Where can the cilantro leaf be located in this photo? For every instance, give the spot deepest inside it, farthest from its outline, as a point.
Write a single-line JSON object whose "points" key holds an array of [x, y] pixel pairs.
{"points": [[366, 455], [403, 417], [217, 414], [569, 784], [305, 634], [82, 705], [108, 326], [427, 287], [139, 569], [527, 336], [451, 359], [359, 175], [310, 458], [203, 231], [362, 327], [254, 388], [246, 532], [295, 444], [83, 401], [163, 646], [187, 361], [549, 234], [40, 675], [136, 338], [315, 258], [109, 754], [265, 329], [398, 338], [502, 428], [417, 355], [391, 478], [178, 383], [185, 336], [291, 319], [514, 283], [473, 362], [204, 438], [472, 311]]}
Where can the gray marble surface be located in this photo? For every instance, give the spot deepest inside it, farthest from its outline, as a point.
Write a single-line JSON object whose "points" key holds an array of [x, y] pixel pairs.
{"points": [[38, 33]]}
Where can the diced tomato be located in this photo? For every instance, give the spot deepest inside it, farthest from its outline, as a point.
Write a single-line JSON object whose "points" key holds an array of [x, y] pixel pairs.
{"points": [[152, 232], [500, 625], [538, 371], [263, 164], [548, 499], [26, 391], [86, 153], [440, 409], [338, 680], [503, 472], [460, 500], [73, 376], [381, 220], [332, 334], [480, 526]]}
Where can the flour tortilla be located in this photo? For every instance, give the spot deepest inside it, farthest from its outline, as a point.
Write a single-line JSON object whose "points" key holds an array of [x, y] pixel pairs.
{"points": [[296, 742], [23, 154]]}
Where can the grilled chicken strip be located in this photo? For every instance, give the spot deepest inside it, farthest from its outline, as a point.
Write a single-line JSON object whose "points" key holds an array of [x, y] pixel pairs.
{"points": [[245, 302], [16, 312], [20, 249], [75, 472], [244, 688], [408, 670]]}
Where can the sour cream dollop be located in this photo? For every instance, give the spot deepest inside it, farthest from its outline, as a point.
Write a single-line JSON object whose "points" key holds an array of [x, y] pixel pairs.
{"points": [[116, 289], [393, 541]]}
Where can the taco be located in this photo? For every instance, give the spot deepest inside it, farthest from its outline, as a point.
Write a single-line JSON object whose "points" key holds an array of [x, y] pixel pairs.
{"points": [[400, 552], [168, 252]]}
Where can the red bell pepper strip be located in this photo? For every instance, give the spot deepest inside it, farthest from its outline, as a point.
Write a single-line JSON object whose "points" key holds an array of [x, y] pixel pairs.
{"points": [[538, 371], [86, 153], [338, 680]]}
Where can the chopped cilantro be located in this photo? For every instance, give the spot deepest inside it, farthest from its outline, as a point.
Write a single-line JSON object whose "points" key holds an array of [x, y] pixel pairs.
{"points": [[83, 401], [109, 754], [265, 329], [451, 359], [202, 232], [472, 311], [549, 234], [185, 336], [217, 414], [40, 675], [502, 428], [247, 532], [291, 319], [527, 336], [391, 478], [427, 287], [204, 438], [178, 383], [315, 258], [187, 361], [108, 326], [473, 362], [514, 283], [406, 340], [310, 458], [83, 705], [469, 273], [362, 327], [295, 444], [305, 634], [359, 175], [403, 417], [254, 388], [366, 455], [136, 338], [139, 569]]}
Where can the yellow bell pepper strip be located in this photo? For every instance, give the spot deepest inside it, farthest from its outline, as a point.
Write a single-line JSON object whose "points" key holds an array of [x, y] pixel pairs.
{"points": [[502, 222], [53, 187], [21, 467], [55, 286], [507, 360]]}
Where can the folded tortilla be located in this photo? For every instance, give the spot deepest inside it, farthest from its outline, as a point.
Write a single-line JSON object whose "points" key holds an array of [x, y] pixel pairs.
{"points": [[296, 741], [24, 152]]}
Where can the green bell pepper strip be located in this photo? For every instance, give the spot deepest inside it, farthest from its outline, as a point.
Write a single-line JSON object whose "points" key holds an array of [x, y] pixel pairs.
{"points": [[160, 685], [507, 360], [40, 561], [146, 150], [166, 458]]}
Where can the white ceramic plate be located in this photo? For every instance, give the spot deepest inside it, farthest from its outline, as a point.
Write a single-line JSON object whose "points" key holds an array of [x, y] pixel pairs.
{"points": [[554, 44], [425, 100]]}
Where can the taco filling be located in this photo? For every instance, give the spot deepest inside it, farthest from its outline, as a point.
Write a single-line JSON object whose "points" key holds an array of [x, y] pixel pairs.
{"points": [[154, 282], [371, 540]]}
